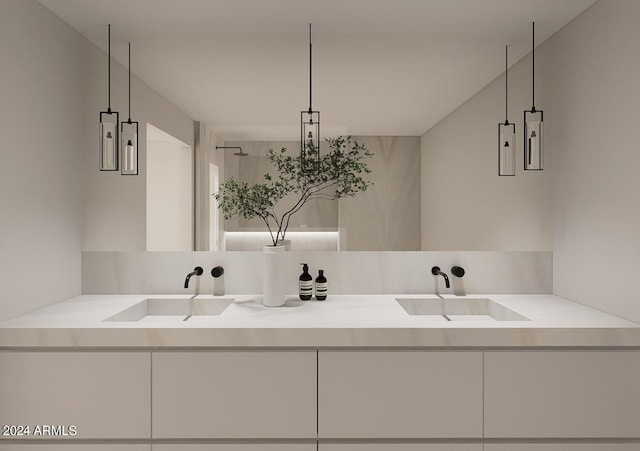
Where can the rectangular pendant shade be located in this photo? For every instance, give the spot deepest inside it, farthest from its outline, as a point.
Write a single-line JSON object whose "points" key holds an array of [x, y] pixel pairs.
{"points": [[533, 140], [310, 139], [129, 148], [506, 149], [108, 141]]}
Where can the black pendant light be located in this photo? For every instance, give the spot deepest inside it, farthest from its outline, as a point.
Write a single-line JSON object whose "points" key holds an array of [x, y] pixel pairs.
{"points": [[533, 122], [109, 128], [129, 135], [310, 129], [506, 130]]}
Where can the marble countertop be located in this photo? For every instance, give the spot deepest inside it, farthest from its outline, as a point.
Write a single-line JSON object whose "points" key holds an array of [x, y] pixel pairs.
{"points": [[340, 321]]}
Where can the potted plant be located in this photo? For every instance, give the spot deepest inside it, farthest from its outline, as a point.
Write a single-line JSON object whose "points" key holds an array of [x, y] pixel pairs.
{"points": [[335, 174], [300, 179]]}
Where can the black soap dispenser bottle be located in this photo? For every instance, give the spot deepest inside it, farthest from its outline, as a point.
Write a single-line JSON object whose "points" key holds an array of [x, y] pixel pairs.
{"points": [[321, 286], [306, 283]]}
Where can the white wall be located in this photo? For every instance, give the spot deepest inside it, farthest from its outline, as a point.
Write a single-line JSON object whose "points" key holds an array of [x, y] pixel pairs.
{"points": [[584, 205], [41, 105], [206, 154], [465, 204], [169, 196], [596, 102], [386, 217], [114, 206]]}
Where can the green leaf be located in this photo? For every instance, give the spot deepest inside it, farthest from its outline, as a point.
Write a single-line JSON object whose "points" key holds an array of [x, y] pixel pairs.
{"points": [[335, 174]]}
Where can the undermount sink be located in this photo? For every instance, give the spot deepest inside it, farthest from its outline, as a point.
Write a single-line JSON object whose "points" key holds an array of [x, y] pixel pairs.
{"points": [[463, 309], [176, 309]]}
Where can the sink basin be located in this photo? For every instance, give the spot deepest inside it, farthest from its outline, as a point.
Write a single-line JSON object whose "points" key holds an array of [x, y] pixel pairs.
{"points": [[463, 309], [161, 309]]}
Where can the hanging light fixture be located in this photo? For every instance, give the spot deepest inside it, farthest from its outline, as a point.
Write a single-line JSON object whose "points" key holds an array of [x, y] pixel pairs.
{"points": [[129, 135], [506, 130], [533, 122], [310, 129], [109, 129]]}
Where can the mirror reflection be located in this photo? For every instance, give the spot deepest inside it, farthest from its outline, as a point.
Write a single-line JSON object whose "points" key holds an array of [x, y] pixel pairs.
{"points": [[385, 217]]}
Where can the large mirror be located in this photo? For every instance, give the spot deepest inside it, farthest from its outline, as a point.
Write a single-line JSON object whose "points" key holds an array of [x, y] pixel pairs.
{"points": [[385, 217], [439, 191]]}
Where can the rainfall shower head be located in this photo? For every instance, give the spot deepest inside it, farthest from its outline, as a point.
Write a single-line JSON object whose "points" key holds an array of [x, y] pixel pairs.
{"points": [[240, 154]]}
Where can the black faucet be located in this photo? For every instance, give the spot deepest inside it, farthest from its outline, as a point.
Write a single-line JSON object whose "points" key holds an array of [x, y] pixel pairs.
{"points": [[436, 272], [197, 271]]}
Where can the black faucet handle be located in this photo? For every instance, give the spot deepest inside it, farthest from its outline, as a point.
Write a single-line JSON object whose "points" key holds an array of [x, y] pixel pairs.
{"points": [[217, 271], [435, 270], [457, 271]]}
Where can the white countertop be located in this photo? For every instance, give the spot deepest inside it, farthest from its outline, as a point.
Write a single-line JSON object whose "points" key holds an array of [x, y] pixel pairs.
{"points": [[340, 321]]}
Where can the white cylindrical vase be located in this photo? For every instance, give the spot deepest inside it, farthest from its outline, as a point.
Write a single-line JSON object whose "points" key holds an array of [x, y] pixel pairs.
{"points": [[273, 285]]}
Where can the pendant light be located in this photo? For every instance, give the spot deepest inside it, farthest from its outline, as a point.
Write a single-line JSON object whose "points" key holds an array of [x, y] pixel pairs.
{"points": [[533, 122], [506, 130], [129, 135], [109, 129], [310, 129]]}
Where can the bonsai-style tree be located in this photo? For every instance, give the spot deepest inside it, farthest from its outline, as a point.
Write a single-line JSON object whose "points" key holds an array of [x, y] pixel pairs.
{"points": [[333, 175]]}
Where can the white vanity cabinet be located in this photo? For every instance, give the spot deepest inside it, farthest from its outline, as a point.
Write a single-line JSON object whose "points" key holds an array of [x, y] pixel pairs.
{"points": [[562, 447], [234, 394], [74, 447], [104, 395], [238, 447], [402, 447], [562, 394], [399, 394], [325, 400]]}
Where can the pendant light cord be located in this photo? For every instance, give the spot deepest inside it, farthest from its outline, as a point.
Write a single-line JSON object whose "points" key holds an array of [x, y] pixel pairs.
{"points": [[533, 66], [506, 85], [129, 82], [310, 71], [109, 76]]}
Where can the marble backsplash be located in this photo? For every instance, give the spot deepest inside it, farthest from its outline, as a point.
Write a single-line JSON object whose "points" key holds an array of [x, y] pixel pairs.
{"points": [[367, 272]]}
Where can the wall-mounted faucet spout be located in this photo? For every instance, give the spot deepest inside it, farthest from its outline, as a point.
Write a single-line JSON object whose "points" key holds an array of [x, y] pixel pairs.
{"points": [[436, 272], [197, 271]]}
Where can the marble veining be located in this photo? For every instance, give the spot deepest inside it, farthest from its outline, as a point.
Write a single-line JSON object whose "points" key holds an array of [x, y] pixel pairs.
{"points": [[347, 272]]}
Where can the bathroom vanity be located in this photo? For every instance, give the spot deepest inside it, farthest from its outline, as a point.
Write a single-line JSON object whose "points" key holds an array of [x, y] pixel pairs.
{"points": [[353, 373]]}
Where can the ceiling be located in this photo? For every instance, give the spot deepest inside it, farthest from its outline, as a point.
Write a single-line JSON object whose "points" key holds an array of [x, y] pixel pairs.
{"points": [[380, 67]]}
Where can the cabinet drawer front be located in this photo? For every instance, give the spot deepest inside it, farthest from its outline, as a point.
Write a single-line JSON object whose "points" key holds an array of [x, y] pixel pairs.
{"points": [[238, 447], [73, 447], [402, 447], [400, 394], [563, 447], [562, 394], [266, 394], [103, 394]]}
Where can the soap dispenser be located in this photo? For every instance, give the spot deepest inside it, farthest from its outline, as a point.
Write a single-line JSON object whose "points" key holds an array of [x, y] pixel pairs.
{"points": [[321, 286], [306, 283]]}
